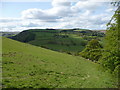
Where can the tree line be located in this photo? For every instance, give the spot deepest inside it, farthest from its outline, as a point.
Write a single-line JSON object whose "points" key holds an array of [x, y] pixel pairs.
{"points": [[108, 55]]}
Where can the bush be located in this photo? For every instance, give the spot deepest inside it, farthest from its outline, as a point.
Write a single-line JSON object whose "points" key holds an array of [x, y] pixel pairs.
{"points": [[93, 50], [111, 57]]}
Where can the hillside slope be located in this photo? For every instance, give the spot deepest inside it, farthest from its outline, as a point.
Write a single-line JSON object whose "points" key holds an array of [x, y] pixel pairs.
{"points": [[28, 66], [69, 40]]}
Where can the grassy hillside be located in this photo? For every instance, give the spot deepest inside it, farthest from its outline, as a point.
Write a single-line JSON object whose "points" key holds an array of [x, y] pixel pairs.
{"points": [[65, 40], [27, 66]]}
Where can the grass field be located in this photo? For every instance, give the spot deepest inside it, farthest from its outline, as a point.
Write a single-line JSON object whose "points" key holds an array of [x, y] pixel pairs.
{"points": [[28, 66]]}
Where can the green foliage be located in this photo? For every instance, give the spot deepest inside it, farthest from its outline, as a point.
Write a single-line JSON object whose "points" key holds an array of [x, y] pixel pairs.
{"points": [[28, 66], [92, 33], [111, 57], [93, 44], [92, 50]]}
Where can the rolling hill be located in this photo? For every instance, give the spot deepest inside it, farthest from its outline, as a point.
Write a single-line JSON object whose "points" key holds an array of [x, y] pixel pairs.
{"points": [[28, 66], [71, 41]]}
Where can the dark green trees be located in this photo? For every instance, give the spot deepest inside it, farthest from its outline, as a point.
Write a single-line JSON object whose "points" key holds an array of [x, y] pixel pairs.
{"points": [[92, 50], [26, 36]]}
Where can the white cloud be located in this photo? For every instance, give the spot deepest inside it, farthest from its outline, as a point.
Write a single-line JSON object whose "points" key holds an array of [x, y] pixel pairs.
{"points": [[62, 15], [57, 3], [60, 9], [51, 0], [86, 5], [38, 14]]}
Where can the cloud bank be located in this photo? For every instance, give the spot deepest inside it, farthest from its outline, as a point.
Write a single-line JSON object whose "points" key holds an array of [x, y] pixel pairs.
{"points": [[86, 14]]}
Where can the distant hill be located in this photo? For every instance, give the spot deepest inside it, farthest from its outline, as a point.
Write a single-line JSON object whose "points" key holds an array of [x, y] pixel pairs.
{"points": [[70, 41], [103, 31], [8, 34], [28, 66]]}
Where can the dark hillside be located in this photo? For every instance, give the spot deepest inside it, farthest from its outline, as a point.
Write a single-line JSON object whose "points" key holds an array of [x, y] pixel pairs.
{"points": [[24, 36]]}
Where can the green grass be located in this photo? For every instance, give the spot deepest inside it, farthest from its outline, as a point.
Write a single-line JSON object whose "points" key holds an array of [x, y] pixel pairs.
{"points": [[28, 66]]}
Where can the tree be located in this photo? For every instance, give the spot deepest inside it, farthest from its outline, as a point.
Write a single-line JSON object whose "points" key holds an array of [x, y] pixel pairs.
{"points": [[92, 50], [111, 58]]}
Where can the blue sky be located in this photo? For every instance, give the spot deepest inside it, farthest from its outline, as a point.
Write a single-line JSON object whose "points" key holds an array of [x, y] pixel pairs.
{"points": [[8, 8], [88, 14]]}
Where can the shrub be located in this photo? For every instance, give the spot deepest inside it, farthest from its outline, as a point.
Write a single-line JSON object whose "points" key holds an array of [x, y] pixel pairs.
{"points": [[111, 57], [92, 51]]}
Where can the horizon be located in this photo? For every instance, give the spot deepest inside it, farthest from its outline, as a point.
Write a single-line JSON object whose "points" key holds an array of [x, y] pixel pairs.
{"points": [[53, 29]]}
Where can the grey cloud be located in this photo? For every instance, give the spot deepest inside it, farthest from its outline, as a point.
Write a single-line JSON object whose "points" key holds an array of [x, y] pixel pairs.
{"points": [[38, 14], [5, 20], [60, 9]]}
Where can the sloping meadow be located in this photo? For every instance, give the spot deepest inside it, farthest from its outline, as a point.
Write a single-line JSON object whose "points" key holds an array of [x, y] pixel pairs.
{"points": [[28, 66]]}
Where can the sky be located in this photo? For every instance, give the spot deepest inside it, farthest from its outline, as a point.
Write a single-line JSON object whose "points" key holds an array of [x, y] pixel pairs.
{"points": [[21, 15]]}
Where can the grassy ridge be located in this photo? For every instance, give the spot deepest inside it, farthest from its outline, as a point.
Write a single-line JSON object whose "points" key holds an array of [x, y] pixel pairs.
{"points": [[26, 66], [69, 40]]}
